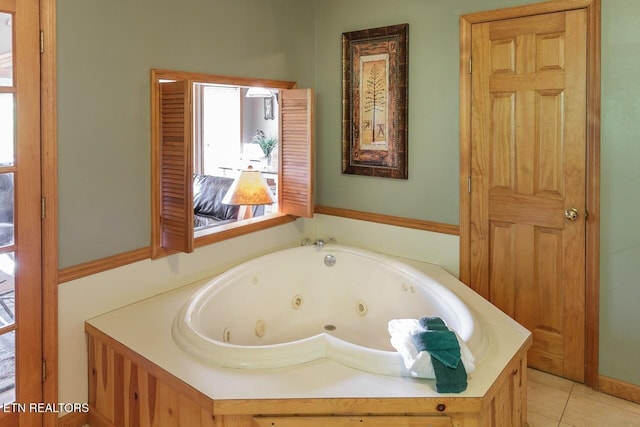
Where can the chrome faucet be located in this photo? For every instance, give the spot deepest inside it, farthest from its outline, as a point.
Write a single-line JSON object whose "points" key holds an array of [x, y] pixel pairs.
{"points": [[318, 243]]}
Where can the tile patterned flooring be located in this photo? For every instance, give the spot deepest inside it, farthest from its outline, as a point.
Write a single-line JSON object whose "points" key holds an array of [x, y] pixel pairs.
{"points": [[558, 402]]}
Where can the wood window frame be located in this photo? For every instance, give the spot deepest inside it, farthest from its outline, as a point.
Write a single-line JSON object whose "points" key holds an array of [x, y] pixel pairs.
{"points": [[592, 8], [295, 175]]}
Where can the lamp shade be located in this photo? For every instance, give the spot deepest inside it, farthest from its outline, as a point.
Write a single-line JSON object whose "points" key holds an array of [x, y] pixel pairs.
{"points": [[249, 188], [258, 92]]}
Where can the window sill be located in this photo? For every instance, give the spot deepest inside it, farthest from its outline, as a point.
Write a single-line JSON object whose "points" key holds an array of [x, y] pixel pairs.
{"points": [[240, 228]]}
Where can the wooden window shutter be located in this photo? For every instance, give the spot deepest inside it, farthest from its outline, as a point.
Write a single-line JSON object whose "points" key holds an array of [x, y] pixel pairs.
{"points": [[296, 152], [176, 168]]}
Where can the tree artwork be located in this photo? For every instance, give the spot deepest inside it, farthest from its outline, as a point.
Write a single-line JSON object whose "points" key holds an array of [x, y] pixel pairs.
{"points": [[374, 100]]}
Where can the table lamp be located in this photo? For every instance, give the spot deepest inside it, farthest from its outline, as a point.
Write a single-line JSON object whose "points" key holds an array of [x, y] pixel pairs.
{"points": [[248, 189]]}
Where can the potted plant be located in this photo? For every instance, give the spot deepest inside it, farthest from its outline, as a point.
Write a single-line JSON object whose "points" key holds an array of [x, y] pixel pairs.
{"points": [[267, 144]]}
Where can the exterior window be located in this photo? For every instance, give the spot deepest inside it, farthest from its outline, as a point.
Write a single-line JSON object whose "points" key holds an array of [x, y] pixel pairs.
{"points": [[208, 135], [218, 137]]}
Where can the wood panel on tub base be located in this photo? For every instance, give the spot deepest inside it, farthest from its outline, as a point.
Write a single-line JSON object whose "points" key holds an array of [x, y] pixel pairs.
{"points": [[127, 390]]}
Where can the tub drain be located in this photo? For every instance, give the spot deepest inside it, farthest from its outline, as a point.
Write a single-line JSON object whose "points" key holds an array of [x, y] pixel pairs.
{"points": [[329, 327], [329, 260]]}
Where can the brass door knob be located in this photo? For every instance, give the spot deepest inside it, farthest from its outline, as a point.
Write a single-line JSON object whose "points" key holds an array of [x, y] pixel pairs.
{"points": [[571, 214]]}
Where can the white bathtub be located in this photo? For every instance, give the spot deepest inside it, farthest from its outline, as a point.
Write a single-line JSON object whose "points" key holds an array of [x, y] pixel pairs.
{"points": [[289, 307]]}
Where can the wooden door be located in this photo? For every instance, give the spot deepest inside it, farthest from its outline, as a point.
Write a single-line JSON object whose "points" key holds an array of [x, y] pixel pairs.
{"points": [[528, 163], [20, 213]]}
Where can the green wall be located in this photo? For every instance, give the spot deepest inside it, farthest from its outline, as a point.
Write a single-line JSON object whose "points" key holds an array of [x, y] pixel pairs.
{"points": [[620, 193], [431, 192], [105, 52]]}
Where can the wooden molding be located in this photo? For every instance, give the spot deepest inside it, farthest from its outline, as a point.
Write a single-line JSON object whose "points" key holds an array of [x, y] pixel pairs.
{"points": [[619, 388], [159, 73], [593, 196], [231, 231], [95, 419], [593, 155], [103, 264], [73, 419], [464, 272], [417, 224], [122, 259], [49, 165]]}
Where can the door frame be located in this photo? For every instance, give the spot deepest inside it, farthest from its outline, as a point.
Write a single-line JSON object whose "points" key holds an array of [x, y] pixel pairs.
{"points": [[49, 165], [592, 242]]}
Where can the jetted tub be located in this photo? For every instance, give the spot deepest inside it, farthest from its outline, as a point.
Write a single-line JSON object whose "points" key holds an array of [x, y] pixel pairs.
{"points": [[305, 303]]}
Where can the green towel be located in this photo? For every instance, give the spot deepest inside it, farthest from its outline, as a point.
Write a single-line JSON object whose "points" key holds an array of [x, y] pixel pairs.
{"points": [[449, 380], [444, 349], [443, 345], [433, 323]]}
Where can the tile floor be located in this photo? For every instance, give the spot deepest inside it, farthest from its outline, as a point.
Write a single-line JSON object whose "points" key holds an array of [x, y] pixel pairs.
{"points": [[558, 402]]}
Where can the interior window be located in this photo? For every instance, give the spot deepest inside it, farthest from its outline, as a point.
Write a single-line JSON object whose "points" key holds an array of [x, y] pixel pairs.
{"points": [[235, 129], [230, 155]]}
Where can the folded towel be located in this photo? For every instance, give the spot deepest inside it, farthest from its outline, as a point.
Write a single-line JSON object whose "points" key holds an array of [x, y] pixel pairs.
{"points": [[449, 380], [418, 363], [443, 345], [444, 350], [433, 323]]}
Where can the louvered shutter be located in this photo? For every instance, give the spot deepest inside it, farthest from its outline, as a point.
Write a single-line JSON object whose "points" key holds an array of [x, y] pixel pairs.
{"points": [[296, 152], [176, 169]]}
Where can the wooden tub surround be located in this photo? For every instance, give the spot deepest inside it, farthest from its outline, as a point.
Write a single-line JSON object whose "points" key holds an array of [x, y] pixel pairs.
{"points": [[139, 377]]}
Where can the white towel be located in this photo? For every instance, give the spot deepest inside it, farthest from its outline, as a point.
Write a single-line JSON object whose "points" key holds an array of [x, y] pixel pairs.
{"points": [[418, 363]]}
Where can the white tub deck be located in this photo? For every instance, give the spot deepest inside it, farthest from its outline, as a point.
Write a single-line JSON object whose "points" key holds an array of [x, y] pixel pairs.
{"points": [[145, 328]]}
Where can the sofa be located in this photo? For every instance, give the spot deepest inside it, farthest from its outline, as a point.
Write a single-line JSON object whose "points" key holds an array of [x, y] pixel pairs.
{"points": [[208, 209]]}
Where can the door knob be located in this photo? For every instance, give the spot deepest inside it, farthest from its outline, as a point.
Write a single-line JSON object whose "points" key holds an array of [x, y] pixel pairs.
{"points": [[571, 214]]}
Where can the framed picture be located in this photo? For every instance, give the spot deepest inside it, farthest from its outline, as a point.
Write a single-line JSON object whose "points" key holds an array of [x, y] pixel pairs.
{"points": [[268, 108], [374, 102]]}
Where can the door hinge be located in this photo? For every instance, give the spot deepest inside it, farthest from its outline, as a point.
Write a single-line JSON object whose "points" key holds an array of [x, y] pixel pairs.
{"points": [[469, 185], [470, 65], [41, 41], [44, 371], [43, 208]]}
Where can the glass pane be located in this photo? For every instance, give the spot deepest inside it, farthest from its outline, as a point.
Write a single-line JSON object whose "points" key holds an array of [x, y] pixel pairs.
{"points": [[7, 290], [7, 134], [6, 209], [7, 367], [221, 124], [6, 50]]}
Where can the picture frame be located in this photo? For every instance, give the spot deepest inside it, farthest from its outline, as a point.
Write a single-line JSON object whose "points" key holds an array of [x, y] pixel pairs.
{"points": [[374, 102], [268, 108]]}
